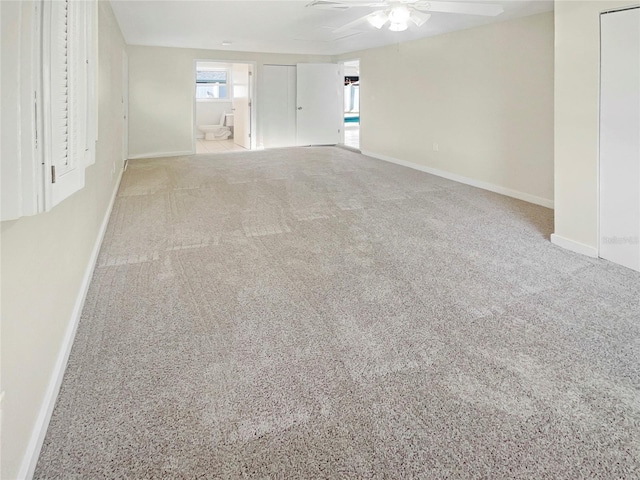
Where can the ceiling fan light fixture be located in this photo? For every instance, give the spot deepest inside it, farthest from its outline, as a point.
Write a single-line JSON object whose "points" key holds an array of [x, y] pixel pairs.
{"points": [[398, 26], [399, 14], [419, 18], [378, 19]]}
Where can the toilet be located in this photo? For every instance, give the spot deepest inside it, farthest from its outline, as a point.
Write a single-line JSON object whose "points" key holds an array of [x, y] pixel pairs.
{"points": [[216, 132]]}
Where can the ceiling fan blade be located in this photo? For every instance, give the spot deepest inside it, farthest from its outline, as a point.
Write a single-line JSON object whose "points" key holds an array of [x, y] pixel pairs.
{"points": [[346, 4], [350, 25], [330, 5], [486, 9], [325, 5]]}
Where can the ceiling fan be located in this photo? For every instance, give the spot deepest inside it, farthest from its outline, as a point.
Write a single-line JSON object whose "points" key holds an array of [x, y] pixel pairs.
{"points": [[398, 13]]}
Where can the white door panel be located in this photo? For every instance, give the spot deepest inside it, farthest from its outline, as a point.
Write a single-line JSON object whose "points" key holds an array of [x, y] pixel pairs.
{"points": [[278, 110], [319, 103], [620, 138]]}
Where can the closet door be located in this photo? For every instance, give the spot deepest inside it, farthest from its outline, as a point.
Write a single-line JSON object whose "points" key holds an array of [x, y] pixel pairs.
{"points": [[620, 137], [279, 106]]}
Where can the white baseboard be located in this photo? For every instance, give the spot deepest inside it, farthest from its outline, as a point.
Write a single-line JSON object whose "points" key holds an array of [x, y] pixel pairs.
{"points": [[574, 246], [544, 202], [350, 148], [30, 458], [162, 154]]}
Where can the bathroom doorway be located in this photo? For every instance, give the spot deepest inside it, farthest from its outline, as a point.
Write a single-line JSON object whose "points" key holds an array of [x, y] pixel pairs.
{"points": [[224, 118], [351, 114]]}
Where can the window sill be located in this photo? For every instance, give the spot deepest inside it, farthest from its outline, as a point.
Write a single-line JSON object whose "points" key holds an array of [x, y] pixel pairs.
{"points": [[213, 100]]}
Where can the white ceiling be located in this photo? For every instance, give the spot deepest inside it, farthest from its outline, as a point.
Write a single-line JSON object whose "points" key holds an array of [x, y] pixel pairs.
{"points": [[282, 26]]}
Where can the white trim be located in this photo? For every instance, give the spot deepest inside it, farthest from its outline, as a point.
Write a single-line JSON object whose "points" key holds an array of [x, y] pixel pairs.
{"points": [[213, 100], [598, 136], [162, 154], [574, 246], [544, 202], [125, 105], [32, 453], [349, 147]]}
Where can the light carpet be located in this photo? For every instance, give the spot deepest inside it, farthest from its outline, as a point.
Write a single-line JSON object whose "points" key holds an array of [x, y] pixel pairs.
{"points": [[314, 313]]}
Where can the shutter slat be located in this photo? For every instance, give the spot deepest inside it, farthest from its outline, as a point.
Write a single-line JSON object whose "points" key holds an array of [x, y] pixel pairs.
{"points": [[60, 73]]}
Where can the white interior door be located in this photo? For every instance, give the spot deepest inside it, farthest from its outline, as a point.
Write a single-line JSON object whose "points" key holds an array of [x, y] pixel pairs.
{"points": [[620, 137], [319, 103], [278, 108], [241, 98]]}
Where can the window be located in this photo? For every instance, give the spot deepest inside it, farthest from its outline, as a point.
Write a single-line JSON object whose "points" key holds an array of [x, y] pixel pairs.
{"points": [[211, 84]]}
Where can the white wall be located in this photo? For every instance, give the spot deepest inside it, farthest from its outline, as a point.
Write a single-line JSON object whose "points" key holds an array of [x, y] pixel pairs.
{"points": [[44, 259], [577, 71], [161, 95], [484, 95]]}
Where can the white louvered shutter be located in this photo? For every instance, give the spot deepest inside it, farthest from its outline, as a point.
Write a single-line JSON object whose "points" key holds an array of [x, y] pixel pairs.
{"points": [[60, 83], [69, 143], [91, 55], [77, 84]]}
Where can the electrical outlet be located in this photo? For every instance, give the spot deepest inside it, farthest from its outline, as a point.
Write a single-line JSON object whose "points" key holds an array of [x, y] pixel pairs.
{"points": [[436, 147]]}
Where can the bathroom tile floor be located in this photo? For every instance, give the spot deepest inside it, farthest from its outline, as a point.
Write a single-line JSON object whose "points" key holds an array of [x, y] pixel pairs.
{"points": [[217, 146]]}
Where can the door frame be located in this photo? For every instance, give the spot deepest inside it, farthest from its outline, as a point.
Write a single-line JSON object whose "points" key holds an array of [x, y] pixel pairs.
{"points": [[253, 92], [125, 106]]}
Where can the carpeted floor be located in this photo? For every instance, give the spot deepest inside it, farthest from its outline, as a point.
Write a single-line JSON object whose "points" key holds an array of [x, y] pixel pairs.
{"points": [[314, 313]]}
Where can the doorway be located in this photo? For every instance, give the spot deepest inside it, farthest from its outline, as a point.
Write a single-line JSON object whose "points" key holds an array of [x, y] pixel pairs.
{"points": [[351, 114], [224, 112]]}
